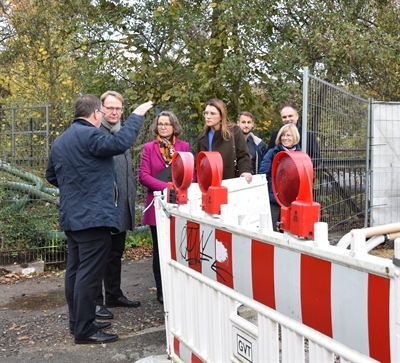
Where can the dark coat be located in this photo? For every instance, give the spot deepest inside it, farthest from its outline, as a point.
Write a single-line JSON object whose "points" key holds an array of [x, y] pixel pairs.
{"points": [[312, 145], [266, 168], [261, 150], [126, 187], [152, 163], [81, 165], [227, 151]]}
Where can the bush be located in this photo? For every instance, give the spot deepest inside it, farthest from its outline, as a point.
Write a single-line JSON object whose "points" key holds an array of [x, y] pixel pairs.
{"points": [[140, 238], [23, 223]]}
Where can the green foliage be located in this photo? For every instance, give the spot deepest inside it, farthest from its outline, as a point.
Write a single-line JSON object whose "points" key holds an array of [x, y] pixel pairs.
{"points": [[138, 239], [181, 53], [24, 222]]}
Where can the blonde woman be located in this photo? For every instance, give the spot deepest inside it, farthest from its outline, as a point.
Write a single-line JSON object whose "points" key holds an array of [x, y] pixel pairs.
{"points": [[287, 140]]}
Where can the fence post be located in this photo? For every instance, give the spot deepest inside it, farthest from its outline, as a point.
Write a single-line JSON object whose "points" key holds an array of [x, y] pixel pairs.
{"points": [[47, 130], [13, 132], [305, 110]]}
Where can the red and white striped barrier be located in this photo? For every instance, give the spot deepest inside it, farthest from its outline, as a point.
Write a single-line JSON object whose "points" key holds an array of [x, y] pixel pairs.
{"points": [[183, 352], [348, 305], [343, 302]]}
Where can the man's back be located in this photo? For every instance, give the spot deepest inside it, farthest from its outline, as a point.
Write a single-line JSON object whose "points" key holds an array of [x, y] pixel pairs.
{"points": [[88, 194]]}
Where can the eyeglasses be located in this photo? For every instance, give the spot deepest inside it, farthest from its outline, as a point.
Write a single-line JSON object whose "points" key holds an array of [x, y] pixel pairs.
{"points": [[163, 126], [103, 113], [289, 136], [205, 113], [114, 109]]}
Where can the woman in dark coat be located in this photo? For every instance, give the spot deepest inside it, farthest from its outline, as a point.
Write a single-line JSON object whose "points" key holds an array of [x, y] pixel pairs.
{"points": [[219, 134]]}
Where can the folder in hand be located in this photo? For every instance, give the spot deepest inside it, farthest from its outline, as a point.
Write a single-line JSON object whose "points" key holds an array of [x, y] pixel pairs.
{"points": [[165, 174]]}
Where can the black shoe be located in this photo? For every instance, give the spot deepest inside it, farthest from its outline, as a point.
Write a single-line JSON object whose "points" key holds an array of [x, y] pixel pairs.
{"points": [[160, 297], [98, 338], [99, 325], [103, 313], [123, 301]]}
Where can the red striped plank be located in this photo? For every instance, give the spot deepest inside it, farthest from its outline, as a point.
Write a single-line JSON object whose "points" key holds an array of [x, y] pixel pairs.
{"points": [[223, 264], [315, 290], [172, 237], [378, 317], [193, 245], [262, 270]]}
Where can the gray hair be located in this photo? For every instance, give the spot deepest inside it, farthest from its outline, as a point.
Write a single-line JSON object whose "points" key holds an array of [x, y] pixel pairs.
{"points": [[172, 118]]}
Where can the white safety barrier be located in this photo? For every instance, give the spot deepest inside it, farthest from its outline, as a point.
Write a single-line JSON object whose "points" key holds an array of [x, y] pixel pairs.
{"points": [[312, 302]]}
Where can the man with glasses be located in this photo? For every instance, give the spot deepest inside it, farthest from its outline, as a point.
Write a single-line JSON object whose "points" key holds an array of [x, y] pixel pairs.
{"points": [[81, 165], [113, 106]]}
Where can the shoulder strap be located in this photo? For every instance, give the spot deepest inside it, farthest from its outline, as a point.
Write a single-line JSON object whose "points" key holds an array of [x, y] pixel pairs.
{"points": [[235, 164]]}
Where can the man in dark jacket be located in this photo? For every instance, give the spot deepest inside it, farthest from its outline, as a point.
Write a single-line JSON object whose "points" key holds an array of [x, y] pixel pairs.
{"points": [[255, 145], [289, 114], [113, 106], [81, 165]]}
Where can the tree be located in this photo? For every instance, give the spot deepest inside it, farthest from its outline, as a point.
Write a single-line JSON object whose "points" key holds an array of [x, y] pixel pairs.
{"points": [[180, 53], [40, 48]]}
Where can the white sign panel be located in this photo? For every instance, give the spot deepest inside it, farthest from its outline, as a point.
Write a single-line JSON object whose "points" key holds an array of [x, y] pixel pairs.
{"points": [[244, 346]]}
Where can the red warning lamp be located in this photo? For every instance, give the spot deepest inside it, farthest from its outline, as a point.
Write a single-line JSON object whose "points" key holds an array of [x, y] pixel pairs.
{"points": [[292, 178], [182, 175], [209, 166]]}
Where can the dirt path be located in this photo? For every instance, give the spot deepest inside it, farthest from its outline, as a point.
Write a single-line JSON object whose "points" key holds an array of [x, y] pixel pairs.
{"points": [[34, 315]]}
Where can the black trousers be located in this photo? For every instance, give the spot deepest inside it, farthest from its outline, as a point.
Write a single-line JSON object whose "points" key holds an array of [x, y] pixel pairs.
{"points": [[112, 272], [275, 215], [87, 255], [156, 259]]}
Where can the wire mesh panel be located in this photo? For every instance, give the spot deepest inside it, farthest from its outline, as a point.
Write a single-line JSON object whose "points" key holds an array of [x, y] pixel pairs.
{"points": [[29, 205], [340, 122], [385, 205]]}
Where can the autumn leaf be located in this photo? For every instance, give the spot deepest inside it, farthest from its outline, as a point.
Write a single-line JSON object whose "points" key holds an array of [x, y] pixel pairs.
{"points": [[24, 337]]}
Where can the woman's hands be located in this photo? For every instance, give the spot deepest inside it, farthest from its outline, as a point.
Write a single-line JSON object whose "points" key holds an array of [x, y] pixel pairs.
{"points": [[248, 177]]}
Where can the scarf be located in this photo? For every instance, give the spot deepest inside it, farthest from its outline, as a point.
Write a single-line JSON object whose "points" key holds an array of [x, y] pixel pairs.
{"points": [[112, 128], [293, 148], [167, 148]]}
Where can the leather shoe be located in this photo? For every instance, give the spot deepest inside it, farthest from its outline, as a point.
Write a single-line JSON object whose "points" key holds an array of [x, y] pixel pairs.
{"points": [[124, 302], [99, 325], [160, 297], [103, 313], [98, 338]]}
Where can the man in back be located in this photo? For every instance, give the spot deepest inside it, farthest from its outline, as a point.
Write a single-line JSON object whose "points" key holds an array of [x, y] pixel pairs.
{"points": [[113, 106], [255, 145], [289, 114], [81, 165]]}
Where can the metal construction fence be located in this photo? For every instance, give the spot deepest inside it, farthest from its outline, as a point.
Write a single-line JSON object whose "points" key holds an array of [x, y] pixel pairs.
{"points": [[341, 124], [357, 180], [342, 181]]}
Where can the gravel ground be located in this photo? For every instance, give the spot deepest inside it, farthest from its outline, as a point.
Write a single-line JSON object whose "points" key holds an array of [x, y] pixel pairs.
{"points": [[34, 315], [34, 318]]}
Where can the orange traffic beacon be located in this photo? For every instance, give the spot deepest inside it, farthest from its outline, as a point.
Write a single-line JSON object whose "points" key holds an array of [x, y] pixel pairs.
{"points": [[182, 175], [209, 177], [292, 179]]}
